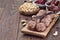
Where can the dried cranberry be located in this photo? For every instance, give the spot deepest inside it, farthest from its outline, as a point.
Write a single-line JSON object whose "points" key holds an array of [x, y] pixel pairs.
{"points": [[40, 1]]}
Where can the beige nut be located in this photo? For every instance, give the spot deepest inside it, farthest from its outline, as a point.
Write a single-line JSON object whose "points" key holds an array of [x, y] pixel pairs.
{"points": [[24, 24], [23, 21], [56, 33]]}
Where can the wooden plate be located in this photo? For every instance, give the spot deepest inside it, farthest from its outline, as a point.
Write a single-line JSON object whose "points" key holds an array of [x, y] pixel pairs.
{"points": [[40, 34]]}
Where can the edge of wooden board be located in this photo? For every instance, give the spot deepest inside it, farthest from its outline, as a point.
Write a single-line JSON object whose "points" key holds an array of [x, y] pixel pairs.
{"points": [[40, 34]]}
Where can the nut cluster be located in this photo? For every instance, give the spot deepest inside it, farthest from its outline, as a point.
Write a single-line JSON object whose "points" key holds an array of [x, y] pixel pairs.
{"points": [[29, 7]]}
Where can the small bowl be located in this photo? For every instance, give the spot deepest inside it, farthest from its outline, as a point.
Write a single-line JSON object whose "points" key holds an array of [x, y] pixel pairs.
{"points": [[41, 6], [52, 8]]}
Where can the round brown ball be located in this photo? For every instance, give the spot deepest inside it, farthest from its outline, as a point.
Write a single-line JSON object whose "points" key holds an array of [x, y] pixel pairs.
{"points": [[40, 27], [31, 25], [41, 12]]}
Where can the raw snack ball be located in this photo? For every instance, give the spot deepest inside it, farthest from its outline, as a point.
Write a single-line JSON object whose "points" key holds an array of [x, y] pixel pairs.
{"points": [[41, 12], [40, 27], [47, 20], [53, 15], [31, 25]]}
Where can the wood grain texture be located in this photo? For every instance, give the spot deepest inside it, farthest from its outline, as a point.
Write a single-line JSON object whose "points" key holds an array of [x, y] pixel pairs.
{"points": [[10, 26], [9, 21]]}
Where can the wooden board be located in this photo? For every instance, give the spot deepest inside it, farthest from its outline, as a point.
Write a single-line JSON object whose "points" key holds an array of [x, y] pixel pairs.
{"points": [[40, 34]]}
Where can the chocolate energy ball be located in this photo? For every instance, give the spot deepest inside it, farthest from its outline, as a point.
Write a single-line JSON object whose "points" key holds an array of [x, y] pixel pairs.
{"points": [[41, 12], [40, 27], [31, 25], [48, 19]]}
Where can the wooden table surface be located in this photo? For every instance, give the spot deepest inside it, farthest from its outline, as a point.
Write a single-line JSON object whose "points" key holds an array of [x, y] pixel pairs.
{"points": [[10, 26]]}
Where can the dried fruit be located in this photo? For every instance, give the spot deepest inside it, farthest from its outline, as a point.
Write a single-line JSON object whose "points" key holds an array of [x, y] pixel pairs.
{"points": [[40, 1]]}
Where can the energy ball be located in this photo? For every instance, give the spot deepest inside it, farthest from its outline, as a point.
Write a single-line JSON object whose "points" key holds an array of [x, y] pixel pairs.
{"points": [[41, 12], [40, 27], [31, 25]]}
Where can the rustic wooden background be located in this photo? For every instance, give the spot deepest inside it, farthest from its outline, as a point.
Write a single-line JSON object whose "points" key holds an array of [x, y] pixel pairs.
{"points": [[10, 26]]}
